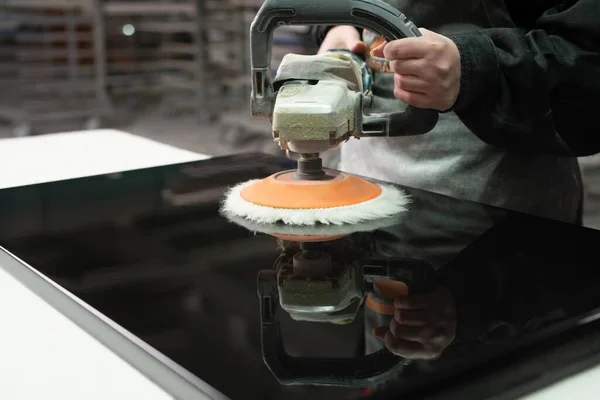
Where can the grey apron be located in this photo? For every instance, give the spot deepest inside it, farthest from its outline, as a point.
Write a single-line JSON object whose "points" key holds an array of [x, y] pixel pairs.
{"points": [[450, 159]]}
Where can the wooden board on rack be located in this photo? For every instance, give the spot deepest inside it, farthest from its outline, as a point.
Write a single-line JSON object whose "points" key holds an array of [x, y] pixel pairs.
{"points": [[121, 8], [84, 5], [57, 63]]}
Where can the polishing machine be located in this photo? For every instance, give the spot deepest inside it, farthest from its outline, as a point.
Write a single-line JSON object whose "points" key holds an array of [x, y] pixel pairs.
{"points": [[310, 116]]}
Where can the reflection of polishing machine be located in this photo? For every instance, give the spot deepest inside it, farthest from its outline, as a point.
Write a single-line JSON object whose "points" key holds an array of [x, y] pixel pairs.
{"points": [[327, 282]]}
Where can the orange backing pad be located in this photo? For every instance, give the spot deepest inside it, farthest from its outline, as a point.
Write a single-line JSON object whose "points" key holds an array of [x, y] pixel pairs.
{"points": [[283, 190]]}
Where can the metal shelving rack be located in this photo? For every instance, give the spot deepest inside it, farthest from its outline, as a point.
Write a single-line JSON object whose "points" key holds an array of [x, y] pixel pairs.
{"points": [[53, 67], [183, 49]]}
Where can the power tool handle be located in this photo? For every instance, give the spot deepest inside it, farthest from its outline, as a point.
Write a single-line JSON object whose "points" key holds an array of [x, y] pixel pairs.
{"points": [[374, 15], [412, 121]]}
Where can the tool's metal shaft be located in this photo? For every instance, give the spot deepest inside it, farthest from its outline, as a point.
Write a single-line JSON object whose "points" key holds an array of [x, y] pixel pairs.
{"points": [[310, 168]]}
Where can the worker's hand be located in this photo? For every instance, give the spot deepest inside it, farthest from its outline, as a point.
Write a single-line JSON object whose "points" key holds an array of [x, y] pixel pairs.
{"points": [[343, 37], [427, 70], [423, 325]]}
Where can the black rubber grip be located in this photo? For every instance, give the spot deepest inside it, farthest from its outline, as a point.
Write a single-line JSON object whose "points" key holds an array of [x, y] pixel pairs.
{"points": [[374, 15]]}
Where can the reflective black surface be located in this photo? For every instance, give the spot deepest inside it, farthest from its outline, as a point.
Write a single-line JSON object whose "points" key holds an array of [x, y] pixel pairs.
{"points": [[149, 250]]}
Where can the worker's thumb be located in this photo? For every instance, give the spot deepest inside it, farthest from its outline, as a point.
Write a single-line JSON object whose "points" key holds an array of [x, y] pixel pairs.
{"points": [[378, 51]]}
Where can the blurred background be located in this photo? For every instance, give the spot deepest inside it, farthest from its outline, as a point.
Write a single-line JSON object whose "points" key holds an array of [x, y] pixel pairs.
{"points": [[175, 71]]}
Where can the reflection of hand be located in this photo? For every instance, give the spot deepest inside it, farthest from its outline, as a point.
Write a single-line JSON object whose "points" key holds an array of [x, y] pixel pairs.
{"points": [[423, 325]]}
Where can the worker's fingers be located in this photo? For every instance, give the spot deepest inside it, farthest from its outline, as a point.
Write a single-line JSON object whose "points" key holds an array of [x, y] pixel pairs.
{"points": [[407, 67], [358, 48], [412, 333], [404, 348], [410, 83], [380, 331], [411, 302], [411, 317], [378, 51], [414, 99], [405, 48]]}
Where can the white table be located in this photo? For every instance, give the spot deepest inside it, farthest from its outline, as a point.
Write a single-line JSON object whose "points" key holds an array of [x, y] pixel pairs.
{"points": [[61, 156], [43, 354]]}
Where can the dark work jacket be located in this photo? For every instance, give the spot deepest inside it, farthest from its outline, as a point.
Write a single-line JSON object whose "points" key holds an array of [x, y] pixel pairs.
{"points": [[530, 78]]}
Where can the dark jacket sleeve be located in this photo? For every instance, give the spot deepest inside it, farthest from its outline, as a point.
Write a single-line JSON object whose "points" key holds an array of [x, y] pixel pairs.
{"points": [[535, 89]]}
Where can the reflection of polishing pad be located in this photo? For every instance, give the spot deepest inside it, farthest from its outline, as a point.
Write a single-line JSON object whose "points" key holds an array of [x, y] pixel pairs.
{"points": [[316, 233], [343, 199]]}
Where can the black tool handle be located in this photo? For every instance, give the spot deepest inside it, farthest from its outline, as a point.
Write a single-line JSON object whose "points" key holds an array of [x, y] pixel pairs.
{"points": [[374, 15], [418, 275], [348, 372], [411, 121]]}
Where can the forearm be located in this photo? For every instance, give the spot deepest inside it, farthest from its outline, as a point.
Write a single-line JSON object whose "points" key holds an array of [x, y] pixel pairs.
{"points": [[330, 37], [534, 90], [319, 32]]}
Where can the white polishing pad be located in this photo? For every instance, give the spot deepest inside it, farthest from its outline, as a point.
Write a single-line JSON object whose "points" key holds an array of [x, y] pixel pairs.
{"points": [[390, 202]]}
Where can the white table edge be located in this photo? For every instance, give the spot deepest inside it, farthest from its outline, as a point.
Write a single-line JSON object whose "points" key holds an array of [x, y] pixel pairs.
{"points": [[159, 369]]}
